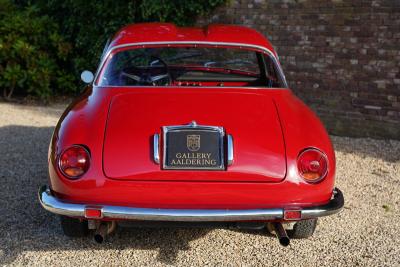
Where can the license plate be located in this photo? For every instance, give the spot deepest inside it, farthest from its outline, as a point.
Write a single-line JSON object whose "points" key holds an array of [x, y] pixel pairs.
{"points": [[193, 148]]}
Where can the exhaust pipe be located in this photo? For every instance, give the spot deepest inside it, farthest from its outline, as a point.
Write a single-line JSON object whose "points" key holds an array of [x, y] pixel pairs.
{"points": [[280, 233], [104, 229]]}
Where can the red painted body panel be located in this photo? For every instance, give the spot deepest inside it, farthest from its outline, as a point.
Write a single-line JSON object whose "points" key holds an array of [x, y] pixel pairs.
{"points": [[167, 32], [270, 128], [249, 116], [84, 122]]}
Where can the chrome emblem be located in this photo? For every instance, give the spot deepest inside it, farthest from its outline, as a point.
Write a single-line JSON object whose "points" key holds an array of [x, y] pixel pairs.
{"points": [[193, 142]]}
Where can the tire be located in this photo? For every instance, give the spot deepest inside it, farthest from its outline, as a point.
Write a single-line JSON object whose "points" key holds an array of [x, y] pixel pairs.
{"points": [[74, 227], [303, 229]]}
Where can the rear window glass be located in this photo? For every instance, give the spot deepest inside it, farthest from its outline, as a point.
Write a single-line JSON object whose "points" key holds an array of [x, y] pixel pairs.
{"points": [[170, 66]]}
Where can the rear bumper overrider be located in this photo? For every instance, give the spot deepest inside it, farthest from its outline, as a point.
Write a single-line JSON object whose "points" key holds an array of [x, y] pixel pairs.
{"points": [[57, 206]]}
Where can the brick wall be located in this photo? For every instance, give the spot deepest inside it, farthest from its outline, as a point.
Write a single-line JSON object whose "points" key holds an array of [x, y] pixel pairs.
{"points": [[341, 57]]}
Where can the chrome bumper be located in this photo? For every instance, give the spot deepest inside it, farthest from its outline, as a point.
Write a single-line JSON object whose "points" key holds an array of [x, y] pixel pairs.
{"points": [[54, 205]]}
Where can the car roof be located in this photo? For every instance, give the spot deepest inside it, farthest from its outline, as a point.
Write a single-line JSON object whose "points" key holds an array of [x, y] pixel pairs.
{"points": [[168, 32]]}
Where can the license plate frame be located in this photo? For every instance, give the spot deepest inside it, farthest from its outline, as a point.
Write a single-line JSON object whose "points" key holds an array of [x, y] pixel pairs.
{"points": [[193, 147]]}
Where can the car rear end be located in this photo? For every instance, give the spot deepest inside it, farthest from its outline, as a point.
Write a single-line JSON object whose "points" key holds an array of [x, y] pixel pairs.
{"points": [[166, 144], [233, 167]]}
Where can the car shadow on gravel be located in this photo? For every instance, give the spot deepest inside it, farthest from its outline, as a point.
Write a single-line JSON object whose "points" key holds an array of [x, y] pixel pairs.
{"points": [[26, 227], [168, 241]]}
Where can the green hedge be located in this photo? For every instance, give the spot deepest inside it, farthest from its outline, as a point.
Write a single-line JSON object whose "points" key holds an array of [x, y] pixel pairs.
{"points": [[45, 44]]}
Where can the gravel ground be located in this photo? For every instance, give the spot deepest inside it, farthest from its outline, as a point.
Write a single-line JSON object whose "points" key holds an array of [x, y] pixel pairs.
{"points": [[365, 233]]}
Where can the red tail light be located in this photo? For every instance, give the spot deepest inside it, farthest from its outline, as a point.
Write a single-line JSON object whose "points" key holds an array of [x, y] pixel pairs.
{"points": [[312, 165], [74, 161]]}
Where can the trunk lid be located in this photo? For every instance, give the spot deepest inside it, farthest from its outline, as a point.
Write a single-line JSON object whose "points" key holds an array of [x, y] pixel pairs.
{"points": [[250, 116]]}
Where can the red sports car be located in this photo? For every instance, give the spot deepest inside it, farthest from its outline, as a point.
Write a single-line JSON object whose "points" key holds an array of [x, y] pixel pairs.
{"points": [[188, 126]]}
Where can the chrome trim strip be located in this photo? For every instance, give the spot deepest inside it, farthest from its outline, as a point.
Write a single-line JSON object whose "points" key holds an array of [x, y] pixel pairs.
{"points": [[54, 205], [333, 206], [193, 126], [229, 146], [156, 148], [190, 215], [240, 45]]}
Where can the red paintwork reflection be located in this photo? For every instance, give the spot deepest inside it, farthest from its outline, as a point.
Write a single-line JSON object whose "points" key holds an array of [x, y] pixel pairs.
{"points": [[249, 116], [167, 32], [84, 122]]}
